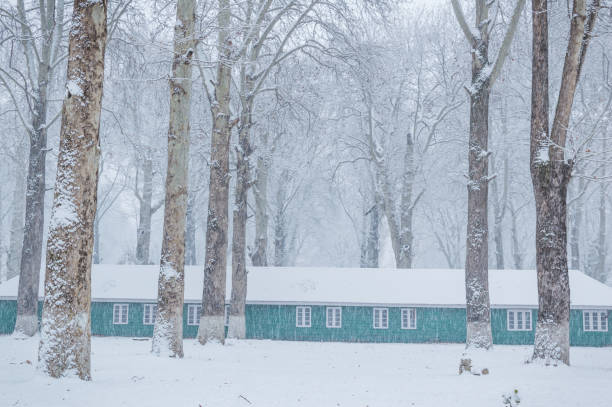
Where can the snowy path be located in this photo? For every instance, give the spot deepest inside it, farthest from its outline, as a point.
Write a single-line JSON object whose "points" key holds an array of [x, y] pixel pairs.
{"points": [[287, 374]]}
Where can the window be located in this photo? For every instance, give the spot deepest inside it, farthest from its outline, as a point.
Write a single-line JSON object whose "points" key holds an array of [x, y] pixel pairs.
{"points": [[519, 320], [302, 317], [148, 315], [408, 318], [227, 316], [595, 321], [381, 318], [334, 317], [193, 314], [120, 314]]}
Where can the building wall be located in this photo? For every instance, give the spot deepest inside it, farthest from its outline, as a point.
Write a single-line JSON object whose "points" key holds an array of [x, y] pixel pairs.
{"points": [[433, 325], [278, 322]]}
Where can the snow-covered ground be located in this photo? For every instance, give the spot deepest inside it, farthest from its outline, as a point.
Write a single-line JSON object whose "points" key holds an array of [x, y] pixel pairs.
{"points": [[267, 373]]}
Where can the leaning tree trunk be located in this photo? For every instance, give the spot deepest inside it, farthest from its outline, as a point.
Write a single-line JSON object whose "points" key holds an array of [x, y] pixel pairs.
{"points": [[168, 330], [212, 321], [16, 236], [31, 252], [65, 341]]}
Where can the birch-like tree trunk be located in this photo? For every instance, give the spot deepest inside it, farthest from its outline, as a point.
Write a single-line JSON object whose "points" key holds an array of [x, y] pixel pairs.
{"points": [[168, 330], [550, 174], [65, 341], [212, 321]]}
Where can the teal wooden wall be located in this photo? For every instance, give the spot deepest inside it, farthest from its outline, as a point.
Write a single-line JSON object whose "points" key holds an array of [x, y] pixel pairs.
{"points": [[433, 325], [278, 322]]}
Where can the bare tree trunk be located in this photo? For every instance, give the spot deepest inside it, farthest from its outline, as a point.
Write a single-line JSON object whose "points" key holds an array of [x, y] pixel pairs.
{"points": [[476, 264], [65, 341], [168, 330], [517, 253], [499, 212], [550, 175], [212, 321], [237, 323], [143, 233], [259, 257], [280, 224], [373, 237], [31, 250], [477, 250], [96, 249], [17, 221], [406, 236], [190, 232], [29, 276], [601, 238], [484, 74], [576, 217]]}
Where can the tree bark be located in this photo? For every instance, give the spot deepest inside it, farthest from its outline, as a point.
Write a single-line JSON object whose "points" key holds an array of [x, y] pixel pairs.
{"points": [[212, 321], [237, 322], [280, 223], [477, 250], [190, 232], [31, 253], [168, 330], [550, 174], [65, 341], [517, 253], [576, 217], [259, 257], [143, 233], [17, 222]]}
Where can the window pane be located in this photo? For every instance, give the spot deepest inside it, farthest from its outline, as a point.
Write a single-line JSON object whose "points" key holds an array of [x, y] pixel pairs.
{"points": [[528, 320], [519, 320], [604, 320], [413, 318], [594, 321], [587, 321], [510, 320]]}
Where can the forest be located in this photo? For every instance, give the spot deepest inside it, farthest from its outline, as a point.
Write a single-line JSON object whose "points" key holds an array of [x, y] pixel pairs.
{"points": [[230, 134]]}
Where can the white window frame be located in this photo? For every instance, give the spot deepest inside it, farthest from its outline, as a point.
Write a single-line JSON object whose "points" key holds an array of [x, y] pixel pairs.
{"points": [[193, 314], [409, 318], [119, 312], [377, 323], [336, 317], [304, 322], [149, 310], [601, 318], [519, 314]]}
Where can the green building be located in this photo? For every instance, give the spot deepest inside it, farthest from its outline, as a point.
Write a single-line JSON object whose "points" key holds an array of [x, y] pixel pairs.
{"points": [[346, 305]]}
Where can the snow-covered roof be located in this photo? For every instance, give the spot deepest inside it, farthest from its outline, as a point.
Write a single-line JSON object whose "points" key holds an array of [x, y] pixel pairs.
{"points": [[302, 285]]}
